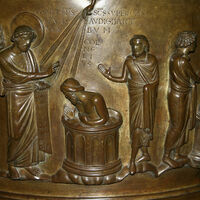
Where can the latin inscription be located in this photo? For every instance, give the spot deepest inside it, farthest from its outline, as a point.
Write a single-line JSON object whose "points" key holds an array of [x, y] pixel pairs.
{"points": [[103, 21], [89, 46]]}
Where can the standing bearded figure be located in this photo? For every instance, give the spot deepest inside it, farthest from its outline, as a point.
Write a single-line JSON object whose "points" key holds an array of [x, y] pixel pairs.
{"points": [[140, 71], [21, 74], [182, 98]]}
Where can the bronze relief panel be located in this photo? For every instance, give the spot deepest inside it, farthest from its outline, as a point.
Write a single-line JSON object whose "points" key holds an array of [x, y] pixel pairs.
{"points": [[67, 117]]}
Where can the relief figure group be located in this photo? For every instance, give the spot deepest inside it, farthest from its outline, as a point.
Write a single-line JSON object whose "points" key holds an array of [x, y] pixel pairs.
{"points": [[92, 130]]}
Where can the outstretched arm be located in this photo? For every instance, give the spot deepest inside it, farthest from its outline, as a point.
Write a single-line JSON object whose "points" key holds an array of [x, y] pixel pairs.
{"points": [[18, 76], [107, 73]]}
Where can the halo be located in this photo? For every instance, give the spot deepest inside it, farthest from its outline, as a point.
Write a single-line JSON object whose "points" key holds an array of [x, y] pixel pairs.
{"points": [[31, 20]]}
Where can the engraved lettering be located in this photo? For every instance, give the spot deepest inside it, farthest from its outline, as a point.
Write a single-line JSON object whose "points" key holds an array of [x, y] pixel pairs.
{"points": [[106, 30], [92, 29], [110, 21]]}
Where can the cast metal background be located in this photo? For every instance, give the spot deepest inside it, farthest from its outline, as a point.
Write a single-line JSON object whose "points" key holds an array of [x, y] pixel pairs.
{"points": [[160, 21]]}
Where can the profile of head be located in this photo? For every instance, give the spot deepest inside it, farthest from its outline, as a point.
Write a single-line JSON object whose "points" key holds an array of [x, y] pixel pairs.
{"points": [[186, 39], [22, 37], [139, 44], [69, 88]]}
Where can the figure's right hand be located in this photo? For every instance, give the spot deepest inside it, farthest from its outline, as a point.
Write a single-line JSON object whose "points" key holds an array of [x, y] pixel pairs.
{"points": [[52, 69], [104, 71], [56, 65]]}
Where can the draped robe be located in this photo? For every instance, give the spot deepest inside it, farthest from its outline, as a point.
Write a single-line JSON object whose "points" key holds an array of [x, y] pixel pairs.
{"points": [[142, 86], [195, 153], [182, 98], [23, 150]]}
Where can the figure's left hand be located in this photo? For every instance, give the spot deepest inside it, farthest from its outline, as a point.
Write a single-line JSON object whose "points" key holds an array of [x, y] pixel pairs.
{"points": [[104, 71], [56, 65], [53, 68]]}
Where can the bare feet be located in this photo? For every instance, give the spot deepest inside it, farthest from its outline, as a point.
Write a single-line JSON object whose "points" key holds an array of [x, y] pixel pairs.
{"points": [[122, 174], [132, 168], [181, 158], [144, 157], [13, 173], [27, 173], [35, 171], [170, 162]]}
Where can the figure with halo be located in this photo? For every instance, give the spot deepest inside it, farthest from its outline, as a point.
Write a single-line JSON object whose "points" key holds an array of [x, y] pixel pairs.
{"points": [[21, 78]]}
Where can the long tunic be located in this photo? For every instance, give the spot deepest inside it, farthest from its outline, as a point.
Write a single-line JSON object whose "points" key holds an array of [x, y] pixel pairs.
{"points": [[23, 148], [195, 153], [182, 98], [142, 87]]}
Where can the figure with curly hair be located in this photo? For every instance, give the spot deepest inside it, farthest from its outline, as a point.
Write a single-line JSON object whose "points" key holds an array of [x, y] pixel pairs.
{"points": [[140, 72], [21, 76], [182, 99]]}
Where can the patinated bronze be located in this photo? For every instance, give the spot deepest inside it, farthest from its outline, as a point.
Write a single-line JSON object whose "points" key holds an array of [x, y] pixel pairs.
{"points": [[92, 139], [182, 99], [70, 129], [195, 153], [2, 44], [20, 80], [91, 106], [140, 71]]}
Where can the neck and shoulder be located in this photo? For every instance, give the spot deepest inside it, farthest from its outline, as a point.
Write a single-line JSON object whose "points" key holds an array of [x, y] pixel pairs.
{"points": [[85, 96], [11, 51], [146, 58], [180, 57]]}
